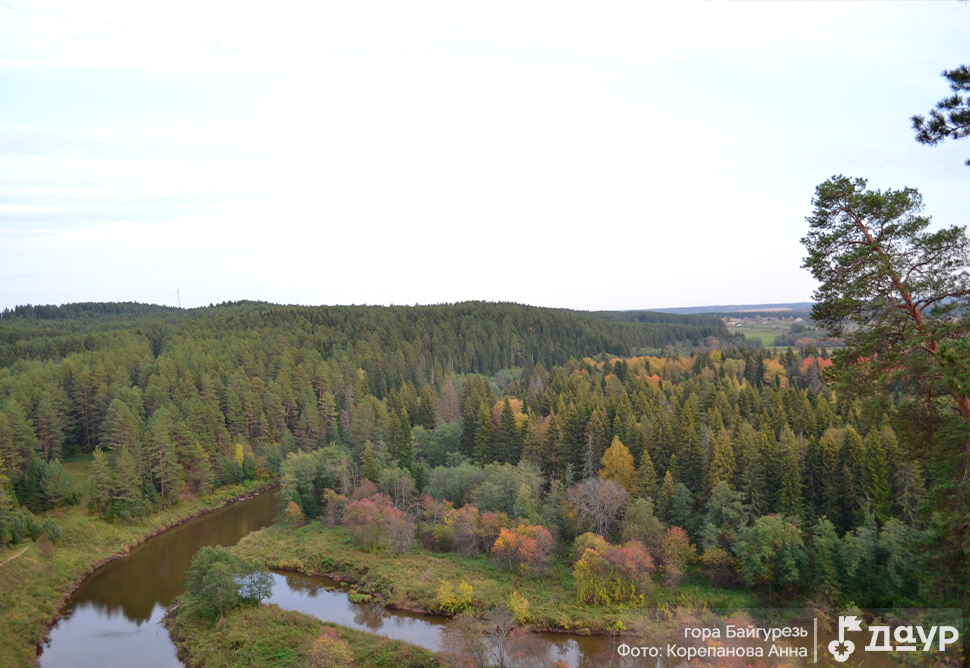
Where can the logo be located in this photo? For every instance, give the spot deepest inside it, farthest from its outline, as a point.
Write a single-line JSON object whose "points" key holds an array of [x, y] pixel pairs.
{"points": [[845, 624]]}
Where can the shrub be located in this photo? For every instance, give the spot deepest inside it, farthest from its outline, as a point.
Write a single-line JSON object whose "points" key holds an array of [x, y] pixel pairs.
{"points": [[329, 650], [220, 580], [526, 548], [519, 605], [452, 601], [293, 515], [52, 530], [608, 574], [677, 554], [436, 537], [374, 524], [46, 547]]}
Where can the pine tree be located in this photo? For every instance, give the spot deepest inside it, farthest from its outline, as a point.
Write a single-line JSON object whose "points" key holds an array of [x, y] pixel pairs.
{"points": [[164, 453], [100, 482], [126, 496], [18, 442], [484, 451], [49, 427], [330, 416]]}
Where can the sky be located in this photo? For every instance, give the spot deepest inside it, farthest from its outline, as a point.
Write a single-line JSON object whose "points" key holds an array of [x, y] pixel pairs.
{"points": [[616, 156]]}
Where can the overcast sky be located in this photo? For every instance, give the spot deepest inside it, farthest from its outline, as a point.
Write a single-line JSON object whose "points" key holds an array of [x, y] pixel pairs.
{"points": [[596, 157]]}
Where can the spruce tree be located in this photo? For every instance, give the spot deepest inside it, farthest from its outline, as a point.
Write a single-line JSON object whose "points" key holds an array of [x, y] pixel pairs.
{"points": [[831, 477], [876, 476], [751, 471], [663, 440], [484, 450], [665, 498], [426, 409], [691, 459], [368, 466], [551, 448], [722, 461], [507, 447], [404, 443], [790, 494], [647, 477]]}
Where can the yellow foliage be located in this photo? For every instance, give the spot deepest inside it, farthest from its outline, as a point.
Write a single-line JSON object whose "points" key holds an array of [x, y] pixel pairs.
{"points": [[618, 465], [238, 453], [452, 601], [519, 605]]}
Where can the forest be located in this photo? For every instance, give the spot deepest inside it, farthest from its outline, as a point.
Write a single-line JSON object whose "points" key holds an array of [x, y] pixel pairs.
{"points": [[517, 417]]}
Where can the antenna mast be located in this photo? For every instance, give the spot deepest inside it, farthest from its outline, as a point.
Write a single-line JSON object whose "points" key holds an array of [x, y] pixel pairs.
{"points": [[178, 296]]}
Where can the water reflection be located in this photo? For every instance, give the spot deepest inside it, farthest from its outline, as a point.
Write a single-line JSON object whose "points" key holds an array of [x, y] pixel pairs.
{"points": [[113, 618]]}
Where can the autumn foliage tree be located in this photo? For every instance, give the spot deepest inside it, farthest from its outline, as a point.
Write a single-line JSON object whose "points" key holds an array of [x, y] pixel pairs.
{"points": [[525, 548], [375, 524], [607, 574]]}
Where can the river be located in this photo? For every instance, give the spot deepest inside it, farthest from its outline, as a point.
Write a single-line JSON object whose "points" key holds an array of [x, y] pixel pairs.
{"points": [[113, 619]]}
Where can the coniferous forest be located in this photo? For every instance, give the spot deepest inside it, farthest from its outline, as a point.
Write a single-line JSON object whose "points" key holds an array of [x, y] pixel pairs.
{"points": [[662, 429]]}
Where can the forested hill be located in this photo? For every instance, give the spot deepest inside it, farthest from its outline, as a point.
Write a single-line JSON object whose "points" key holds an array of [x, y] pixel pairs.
{"points": [[401, 342]]}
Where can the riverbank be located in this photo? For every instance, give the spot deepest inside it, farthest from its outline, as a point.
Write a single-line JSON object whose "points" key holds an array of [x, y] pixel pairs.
{"points": [[265, 636], [410, 581], [35, 586]]}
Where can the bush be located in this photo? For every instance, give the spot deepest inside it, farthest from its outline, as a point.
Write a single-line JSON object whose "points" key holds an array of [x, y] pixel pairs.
{"points": [[606, 574], [519, 605], [329, 650], [452, 601], [677, 554], [374, 524], [526, 548], [220, 580], [52, 530], [293, 515], [436, 537]]}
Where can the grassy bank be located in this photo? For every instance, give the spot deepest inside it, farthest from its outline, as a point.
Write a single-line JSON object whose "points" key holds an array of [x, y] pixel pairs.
{"points": [[34, 586], [410, 580], [265, 636]]}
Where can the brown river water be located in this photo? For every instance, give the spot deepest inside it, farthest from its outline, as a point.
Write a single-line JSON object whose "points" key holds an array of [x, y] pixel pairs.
{"points": [[113, 620]]}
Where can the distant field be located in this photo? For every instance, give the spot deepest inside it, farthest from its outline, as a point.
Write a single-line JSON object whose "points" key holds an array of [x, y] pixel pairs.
{"points": [[764, 331]]}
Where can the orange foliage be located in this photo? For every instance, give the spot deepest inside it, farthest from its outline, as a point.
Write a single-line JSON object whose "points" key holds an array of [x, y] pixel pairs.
{"points": [[527, 548]]}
